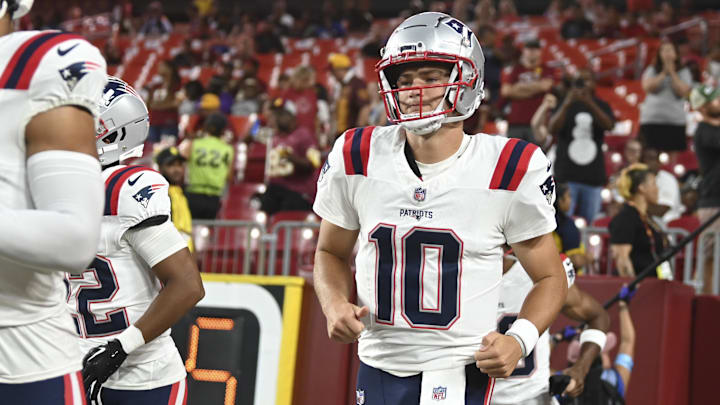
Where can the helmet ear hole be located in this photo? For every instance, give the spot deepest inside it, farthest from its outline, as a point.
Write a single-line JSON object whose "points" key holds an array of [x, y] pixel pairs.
{"points": [[111, 137], [124, 133]]}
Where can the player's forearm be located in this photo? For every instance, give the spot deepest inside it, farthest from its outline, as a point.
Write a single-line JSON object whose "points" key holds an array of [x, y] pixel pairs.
{"points": [[545, 301], [332, 278], [180, 292]]}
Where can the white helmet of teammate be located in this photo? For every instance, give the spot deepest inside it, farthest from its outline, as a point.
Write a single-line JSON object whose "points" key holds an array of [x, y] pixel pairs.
{"points": [[123, 124], [16, 8], [433, 37]]}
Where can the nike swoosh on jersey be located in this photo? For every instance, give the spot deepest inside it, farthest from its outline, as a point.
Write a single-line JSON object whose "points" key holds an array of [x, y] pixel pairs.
{"points": [[132, 182], [64, 52]]}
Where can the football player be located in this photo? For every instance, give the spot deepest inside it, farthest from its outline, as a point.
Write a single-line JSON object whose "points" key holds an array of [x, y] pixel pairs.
{"points": [[432, 208], [50, 203], [529, 383], [143, 278]]}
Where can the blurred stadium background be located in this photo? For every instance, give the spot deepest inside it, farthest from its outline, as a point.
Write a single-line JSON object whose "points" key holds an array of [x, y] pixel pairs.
{"points": [[259, 337]]}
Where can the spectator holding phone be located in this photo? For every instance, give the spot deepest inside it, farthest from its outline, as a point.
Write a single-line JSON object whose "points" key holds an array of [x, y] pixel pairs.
{"points": [[580, 124]]}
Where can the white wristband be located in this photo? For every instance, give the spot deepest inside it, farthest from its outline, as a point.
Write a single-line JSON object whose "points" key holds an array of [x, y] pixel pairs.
{"points": [[131, 338], [595, 336], [526, 333]]}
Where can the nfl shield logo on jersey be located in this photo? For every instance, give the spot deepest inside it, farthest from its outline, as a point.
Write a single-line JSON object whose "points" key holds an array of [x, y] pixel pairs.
{"points": [[360, 397], [419, 194], [439, 393]]}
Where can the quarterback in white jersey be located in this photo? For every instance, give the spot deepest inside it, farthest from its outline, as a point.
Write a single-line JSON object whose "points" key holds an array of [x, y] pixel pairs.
{"points": [[143, 278], [50, 205], [432, 208], [529, 383]]}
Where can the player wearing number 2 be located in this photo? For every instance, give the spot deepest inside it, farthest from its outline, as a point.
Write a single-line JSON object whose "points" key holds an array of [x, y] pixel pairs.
{"points": [[143, 278], [432, 208], [529, 383]]}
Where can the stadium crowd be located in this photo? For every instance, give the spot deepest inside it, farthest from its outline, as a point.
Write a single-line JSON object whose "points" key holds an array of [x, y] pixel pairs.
{"points": [[556, 107]]}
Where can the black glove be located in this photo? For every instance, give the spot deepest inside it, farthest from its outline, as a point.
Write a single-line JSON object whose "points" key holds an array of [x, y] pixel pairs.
{"points": [[99, 364], [558, 383]]}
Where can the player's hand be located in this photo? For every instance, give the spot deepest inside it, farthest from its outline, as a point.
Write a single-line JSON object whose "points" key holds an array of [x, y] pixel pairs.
{"points": [[99, 364], [577, 381], [343, 322], [499, 355]]}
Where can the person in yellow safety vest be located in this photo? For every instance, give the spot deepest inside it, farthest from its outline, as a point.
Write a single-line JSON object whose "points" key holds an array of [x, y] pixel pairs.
{"points": [[171, 165], [210, 161]]}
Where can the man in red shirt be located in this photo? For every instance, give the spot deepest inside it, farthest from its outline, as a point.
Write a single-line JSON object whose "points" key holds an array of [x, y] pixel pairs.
{"points": [[525, 84], [294, 160], [302, 93]]}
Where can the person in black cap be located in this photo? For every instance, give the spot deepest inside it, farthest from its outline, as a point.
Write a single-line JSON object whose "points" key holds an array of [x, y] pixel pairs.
{"points": [[576, 26], [171, 165]]}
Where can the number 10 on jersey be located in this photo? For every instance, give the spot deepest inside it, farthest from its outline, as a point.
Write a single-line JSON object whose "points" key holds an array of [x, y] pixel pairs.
{"points": [[414, 246]]}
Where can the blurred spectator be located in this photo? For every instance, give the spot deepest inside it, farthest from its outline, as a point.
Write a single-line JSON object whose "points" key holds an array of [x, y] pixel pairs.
{"points": [[250, 68], [219, 86], [567, 235], [163, 102], [663, 17], [662, 114], [689, 197], [525, 85], [609, 26], [266, 39], [576, 25], [190, 55], [507, 12], [668, 206], [193, 93], [303, 95], [248, 99], [493, 63], [632, 151], [374, 113], [706, 100], [209, 168], [713, 65], [113, 55], [580, 124], [280, 18], [631, 27], [209, 104], [539, 122], [350, 93], [635, 239], [156, 23], [294, 159], [171, 165]]}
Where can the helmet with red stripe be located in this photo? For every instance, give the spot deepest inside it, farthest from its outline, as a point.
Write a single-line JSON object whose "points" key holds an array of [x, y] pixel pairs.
{"points": [[123, 124], [432, 38], [16, 8]]}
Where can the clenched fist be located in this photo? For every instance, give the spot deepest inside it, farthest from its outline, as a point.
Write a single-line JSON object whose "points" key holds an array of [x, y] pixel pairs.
{"points": [[499, 355], [343, 322]]}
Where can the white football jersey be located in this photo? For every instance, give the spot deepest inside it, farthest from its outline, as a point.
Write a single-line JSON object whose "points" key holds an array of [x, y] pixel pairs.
{"points": [[429, 264], [532, 374], [39, 70], [119, 285]]}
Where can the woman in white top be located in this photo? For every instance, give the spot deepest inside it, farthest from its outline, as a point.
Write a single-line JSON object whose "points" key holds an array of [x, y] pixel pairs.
{"points": [[662, 114]]}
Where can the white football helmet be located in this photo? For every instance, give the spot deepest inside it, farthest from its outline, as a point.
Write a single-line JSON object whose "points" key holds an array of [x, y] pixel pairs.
{"points": [[123, 124], [433, 37], [16, 8]]}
